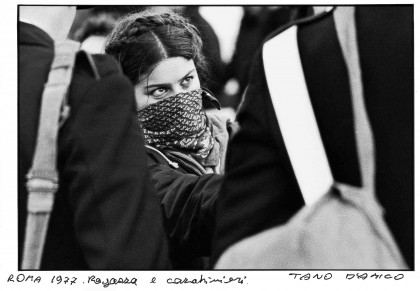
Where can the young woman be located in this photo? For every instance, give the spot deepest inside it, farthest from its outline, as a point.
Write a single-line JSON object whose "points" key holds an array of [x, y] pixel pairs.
{"points": [[162, 55]]}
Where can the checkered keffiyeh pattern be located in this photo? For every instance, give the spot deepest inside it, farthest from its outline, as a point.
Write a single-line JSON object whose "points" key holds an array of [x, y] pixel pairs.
{"points": [[178, 122]]}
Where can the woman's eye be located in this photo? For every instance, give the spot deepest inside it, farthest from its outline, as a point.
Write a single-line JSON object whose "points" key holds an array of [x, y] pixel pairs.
{"points": [[186, 82], [159, 92]]}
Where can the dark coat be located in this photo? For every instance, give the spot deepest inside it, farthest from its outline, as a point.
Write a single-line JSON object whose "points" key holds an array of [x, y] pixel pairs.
{"points": [[105, 214], [188, 204], [261, 191]]}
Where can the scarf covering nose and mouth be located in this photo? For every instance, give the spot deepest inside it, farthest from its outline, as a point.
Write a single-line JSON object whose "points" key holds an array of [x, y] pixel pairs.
{"points": [[179, 123]]}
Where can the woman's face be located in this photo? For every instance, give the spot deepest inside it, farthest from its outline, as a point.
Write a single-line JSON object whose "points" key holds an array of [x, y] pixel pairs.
{"points": [[170, 77]]}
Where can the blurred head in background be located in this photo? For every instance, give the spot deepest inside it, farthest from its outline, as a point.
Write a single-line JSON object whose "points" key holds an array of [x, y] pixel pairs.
{"points": [[93, 31]]}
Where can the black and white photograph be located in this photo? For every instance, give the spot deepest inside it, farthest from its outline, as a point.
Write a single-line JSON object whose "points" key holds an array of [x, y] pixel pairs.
{"points": [[221, 146]]}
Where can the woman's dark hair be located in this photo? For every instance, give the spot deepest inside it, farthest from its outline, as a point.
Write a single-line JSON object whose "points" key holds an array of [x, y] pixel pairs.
{"points": [[141, 40]]}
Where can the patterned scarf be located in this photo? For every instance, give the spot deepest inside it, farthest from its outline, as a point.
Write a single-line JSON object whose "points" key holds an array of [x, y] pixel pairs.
{"points": [[179, 123]]}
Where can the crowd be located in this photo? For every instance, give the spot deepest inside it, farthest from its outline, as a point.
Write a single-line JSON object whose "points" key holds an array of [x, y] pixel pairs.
{"points": [[152, 174]]}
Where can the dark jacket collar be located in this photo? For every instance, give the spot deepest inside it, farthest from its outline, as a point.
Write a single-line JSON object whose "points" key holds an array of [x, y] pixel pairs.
{"points": [[32, 35]]}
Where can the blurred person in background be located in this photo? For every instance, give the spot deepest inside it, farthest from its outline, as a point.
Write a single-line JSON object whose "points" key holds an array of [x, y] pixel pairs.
{"points": [[161, 53], [256, 24], [105, 214]]}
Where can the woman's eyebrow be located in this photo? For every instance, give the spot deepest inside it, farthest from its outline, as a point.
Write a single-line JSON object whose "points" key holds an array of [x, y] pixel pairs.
{"points": [[186, 75], [159, 85]]}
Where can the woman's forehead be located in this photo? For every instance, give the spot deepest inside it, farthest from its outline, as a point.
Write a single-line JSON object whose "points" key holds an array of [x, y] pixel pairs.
{"points": [[170, 70]]}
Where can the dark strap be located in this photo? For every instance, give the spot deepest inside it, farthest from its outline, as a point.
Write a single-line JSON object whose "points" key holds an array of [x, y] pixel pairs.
{"points": [[43, 176]]}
